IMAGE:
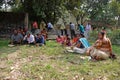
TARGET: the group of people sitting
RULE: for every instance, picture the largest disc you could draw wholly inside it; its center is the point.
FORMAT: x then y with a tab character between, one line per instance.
28	38
100	50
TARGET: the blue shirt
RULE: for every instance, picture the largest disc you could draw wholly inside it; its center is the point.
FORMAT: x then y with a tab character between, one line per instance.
18	37
50	25
81	28
84	42
40	40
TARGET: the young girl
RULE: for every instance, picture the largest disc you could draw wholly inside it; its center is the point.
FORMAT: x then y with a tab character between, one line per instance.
59	39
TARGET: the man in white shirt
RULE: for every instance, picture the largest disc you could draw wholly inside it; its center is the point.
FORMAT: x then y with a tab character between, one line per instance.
29	39
87	30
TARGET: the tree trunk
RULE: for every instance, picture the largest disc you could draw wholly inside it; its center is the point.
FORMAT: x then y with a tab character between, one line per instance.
119	21
26	21
82	19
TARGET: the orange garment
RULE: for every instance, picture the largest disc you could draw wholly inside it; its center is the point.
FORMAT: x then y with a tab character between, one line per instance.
75	40
103	45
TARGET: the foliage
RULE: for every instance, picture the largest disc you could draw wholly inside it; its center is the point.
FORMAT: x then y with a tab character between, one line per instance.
115	8
113	35
106	12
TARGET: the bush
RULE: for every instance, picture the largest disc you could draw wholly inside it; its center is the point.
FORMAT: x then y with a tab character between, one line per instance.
113	35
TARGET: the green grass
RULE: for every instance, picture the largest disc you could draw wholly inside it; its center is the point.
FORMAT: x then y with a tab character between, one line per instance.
5	50
51	63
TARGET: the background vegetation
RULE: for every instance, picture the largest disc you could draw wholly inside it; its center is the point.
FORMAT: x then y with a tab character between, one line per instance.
105	12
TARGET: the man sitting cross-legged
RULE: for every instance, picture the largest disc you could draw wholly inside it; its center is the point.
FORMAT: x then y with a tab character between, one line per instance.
40	41
29	39
16	38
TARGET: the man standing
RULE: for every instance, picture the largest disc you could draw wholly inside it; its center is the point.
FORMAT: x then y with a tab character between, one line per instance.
87	30
81	29
49	26
72	29
35	26
62	28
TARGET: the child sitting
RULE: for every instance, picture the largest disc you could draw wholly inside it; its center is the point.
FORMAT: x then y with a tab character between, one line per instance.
59	39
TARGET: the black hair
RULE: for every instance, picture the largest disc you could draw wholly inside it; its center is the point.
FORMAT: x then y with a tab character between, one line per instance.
82	35
67	35
59	36
75	35
102	33
68	38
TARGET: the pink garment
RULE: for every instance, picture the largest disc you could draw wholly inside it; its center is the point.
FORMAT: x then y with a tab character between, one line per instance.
59	40
35	25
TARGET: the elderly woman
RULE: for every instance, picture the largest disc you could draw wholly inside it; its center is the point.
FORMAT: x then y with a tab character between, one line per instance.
102	49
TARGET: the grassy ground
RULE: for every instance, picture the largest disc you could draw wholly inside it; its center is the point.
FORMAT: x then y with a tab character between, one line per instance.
51	63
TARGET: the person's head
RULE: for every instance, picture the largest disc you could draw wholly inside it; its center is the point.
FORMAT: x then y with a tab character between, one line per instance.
68	40
28	34
44	29
101	35
67	35
77	35
88	23
81	24
15	32
82	35
70	22
59	36
39	35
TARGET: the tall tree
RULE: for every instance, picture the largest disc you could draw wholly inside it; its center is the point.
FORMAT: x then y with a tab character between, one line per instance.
115	9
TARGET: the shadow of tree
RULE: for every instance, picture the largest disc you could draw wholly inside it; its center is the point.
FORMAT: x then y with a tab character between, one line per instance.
5	50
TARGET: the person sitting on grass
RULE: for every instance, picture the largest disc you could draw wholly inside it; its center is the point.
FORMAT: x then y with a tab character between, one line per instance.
80	47
59	39
102	49
16	38
40	41
68	42
44	33
64	38
29	39
75	39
